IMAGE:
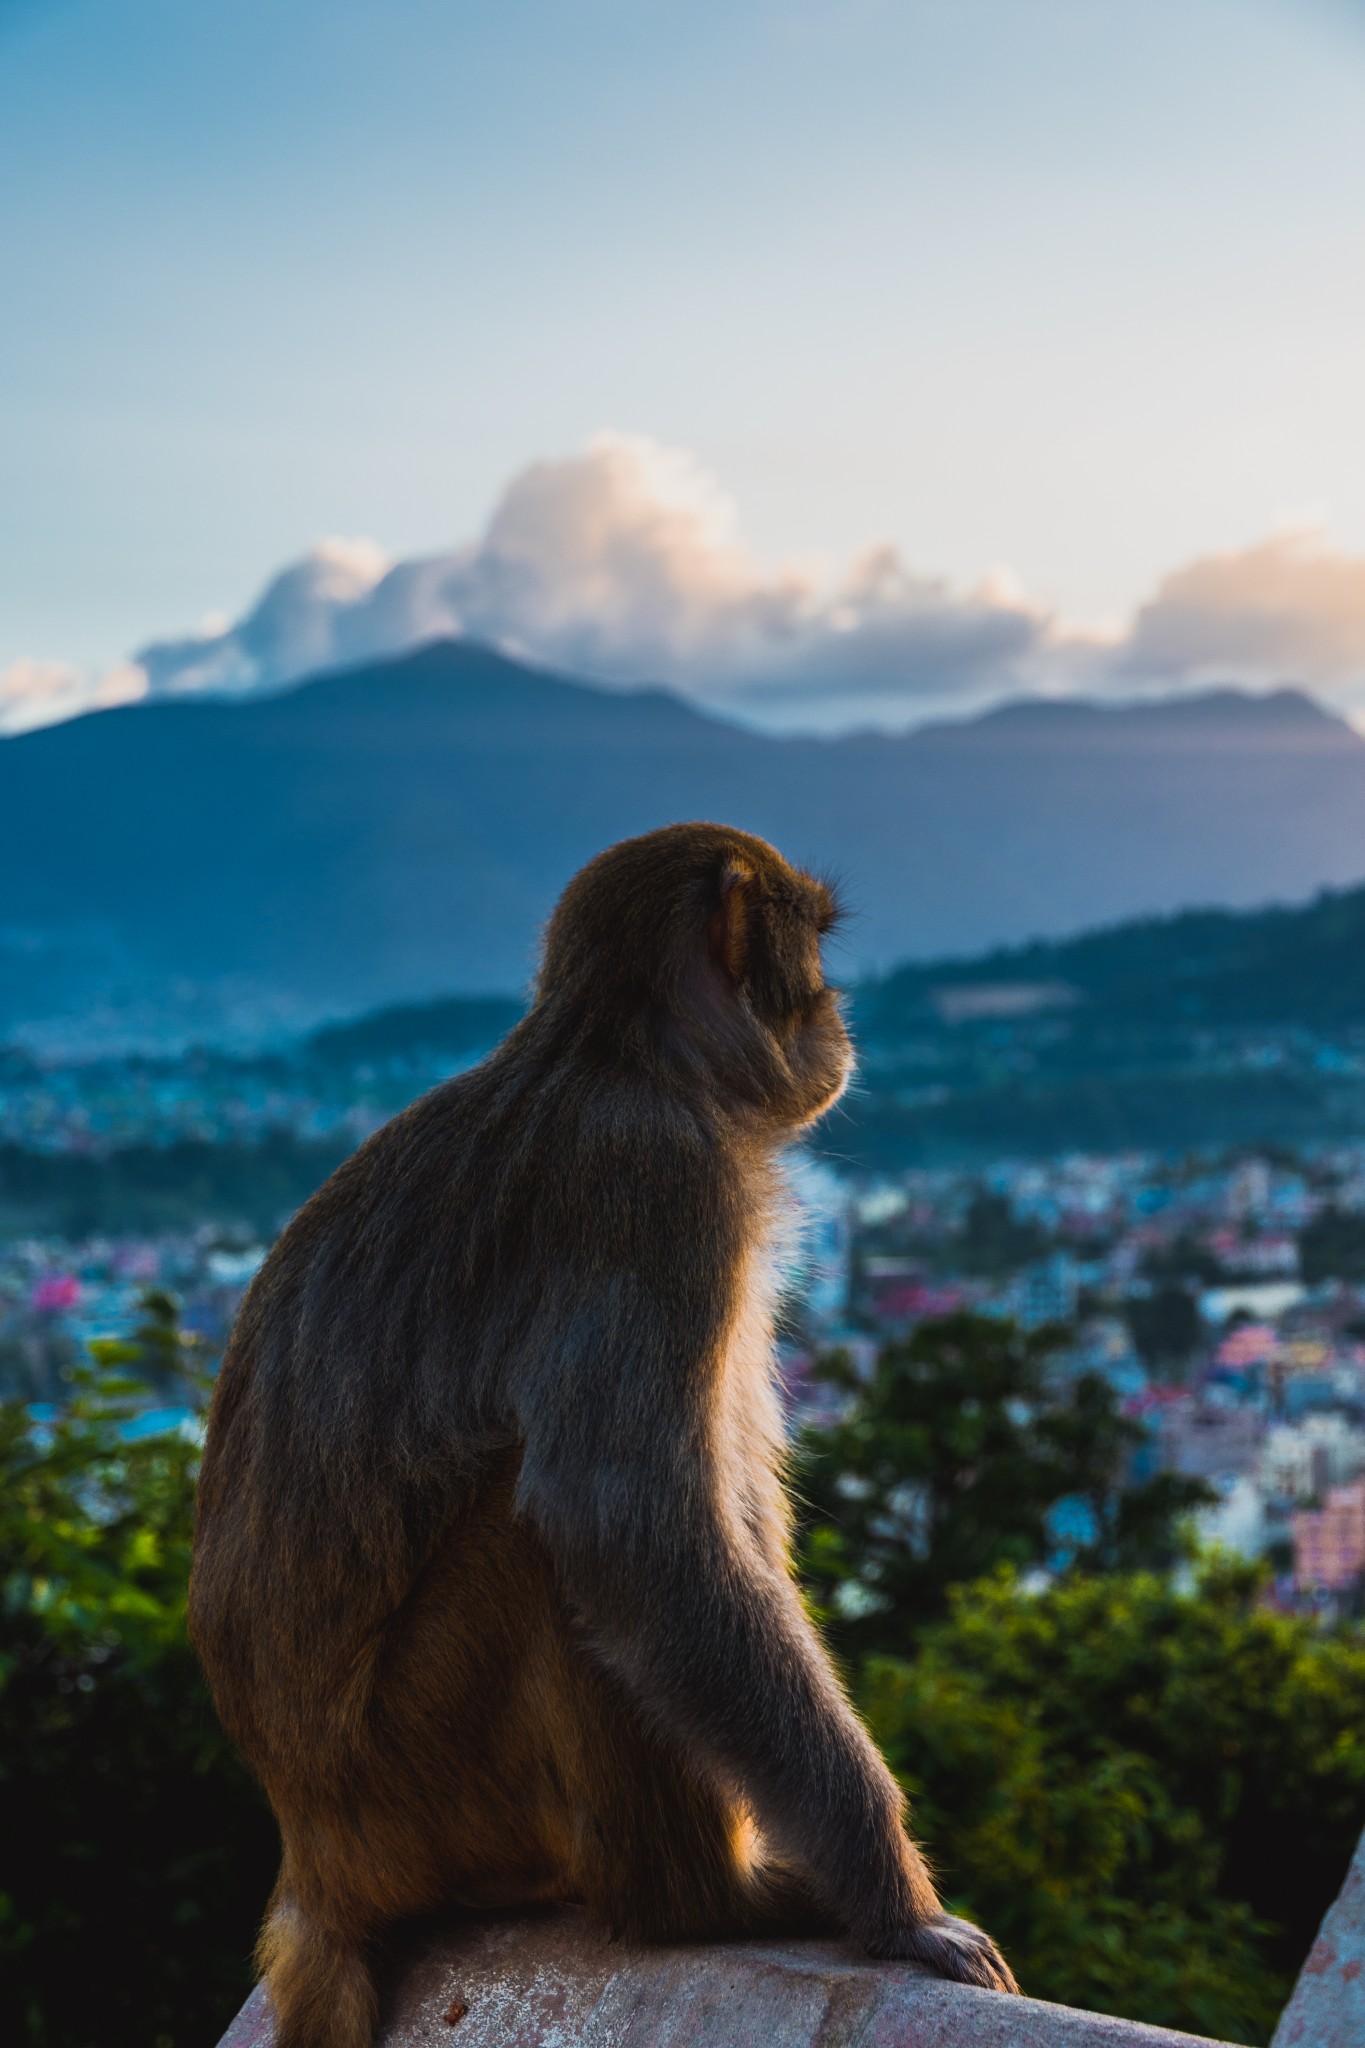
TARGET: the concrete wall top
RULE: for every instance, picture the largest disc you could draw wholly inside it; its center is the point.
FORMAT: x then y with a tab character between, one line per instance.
551	1982
1328	2006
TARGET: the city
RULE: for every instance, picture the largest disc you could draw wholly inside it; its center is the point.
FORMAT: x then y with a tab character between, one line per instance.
1221	1296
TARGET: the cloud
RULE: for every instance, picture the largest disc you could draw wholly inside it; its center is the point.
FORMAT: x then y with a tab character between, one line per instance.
300	624
883	645
624	564
34	693
1287	609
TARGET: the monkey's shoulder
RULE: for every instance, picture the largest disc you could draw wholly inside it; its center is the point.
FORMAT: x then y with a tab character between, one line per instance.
422	1144
380	1192
495	1175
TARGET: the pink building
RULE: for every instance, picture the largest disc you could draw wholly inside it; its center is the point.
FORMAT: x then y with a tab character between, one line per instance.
1249	1344
1329	1544
913	1301
56	1294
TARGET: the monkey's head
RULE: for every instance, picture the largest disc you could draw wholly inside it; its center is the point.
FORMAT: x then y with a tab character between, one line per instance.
699	946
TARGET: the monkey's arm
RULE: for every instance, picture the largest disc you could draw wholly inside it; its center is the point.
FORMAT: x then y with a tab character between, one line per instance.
710	1637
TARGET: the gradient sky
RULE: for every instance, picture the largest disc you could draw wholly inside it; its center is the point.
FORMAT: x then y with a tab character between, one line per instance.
1059	284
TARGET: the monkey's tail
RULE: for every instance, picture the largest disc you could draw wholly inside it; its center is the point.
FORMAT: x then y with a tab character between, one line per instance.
321	1988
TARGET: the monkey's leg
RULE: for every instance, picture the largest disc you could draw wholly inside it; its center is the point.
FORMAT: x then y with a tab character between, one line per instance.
777	1904
662	1852
672	1858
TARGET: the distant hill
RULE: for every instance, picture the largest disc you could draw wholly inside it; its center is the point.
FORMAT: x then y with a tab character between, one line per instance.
400	831
454	1027
1205	1029
1198	1031
1303	966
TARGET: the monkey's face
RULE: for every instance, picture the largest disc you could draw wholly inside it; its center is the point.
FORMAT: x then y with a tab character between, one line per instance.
789	914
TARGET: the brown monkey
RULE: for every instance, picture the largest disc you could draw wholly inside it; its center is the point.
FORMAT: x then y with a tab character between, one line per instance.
491	1575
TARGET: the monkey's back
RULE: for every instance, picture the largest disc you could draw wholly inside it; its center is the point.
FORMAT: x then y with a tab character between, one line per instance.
383	1632
354	1423
361	1421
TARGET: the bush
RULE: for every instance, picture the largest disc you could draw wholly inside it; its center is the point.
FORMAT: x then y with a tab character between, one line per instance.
963	1451
1149	1798
1332	1246
135	1853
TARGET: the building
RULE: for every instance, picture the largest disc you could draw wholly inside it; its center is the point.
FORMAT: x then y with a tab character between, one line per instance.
1300	1461
1329	1543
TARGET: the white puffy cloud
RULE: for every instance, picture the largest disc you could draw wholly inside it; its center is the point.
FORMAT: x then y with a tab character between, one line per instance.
299	625
1290	608
624	564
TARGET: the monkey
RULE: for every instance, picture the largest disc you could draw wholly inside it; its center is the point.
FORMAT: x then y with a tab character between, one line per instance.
492	1577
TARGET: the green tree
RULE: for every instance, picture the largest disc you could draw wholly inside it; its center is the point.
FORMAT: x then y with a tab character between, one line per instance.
135	1854
965	1450
1332	1246
993	1240
1185	1258
1149	1797
1165	1327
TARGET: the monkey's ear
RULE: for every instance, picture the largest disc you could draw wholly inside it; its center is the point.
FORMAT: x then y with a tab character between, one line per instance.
728	930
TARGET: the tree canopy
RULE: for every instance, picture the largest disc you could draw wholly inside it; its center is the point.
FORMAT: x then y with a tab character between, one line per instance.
1148	1789
963	1450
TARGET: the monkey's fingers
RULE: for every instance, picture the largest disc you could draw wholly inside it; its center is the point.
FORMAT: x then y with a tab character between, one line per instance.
954	1949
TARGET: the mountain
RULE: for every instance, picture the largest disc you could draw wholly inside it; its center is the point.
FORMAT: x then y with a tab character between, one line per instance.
399	831
1301	968
1200	1031
1204	1029
1207	1029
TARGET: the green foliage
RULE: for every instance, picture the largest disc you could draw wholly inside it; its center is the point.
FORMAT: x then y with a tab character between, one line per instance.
461	1027
162	1187
1149	1797
993	1239
964	1451
134	1852
1183	1259
1332	1247
1165	1326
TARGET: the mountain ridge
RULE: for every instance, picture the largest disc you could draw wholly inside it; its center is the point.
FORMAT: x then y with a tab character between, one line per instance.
399	830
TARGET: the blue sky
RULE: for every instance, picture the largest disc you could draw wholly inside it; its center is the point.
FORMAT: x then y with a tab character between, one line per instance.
1061	285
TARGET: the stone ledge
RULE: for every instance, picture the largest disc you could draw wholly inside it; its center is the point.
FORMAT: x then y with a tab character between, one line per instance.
1328	2006
550	1981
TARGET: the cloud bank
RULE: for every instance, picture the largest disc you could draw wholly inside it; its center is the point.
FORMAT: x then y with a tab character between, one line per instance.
1291	607
43	692
624	565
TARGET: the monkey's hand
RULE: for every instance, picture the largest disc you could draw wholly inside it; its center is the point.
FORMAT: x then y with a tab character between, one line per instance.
951	1948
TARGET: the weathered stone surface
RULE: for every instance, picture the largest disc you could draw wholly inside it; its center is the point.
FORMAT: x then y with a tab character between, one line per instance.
551	1982
1328	2006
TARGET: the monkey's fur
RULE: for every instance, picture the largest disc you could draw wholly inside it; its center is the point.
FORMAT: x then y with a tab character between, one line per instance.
491	1575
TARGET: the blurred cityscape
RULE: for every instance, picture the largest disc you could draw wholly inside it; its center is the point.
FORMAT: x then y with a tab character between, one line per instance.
1220	1293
